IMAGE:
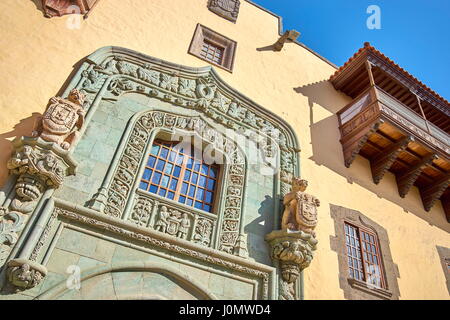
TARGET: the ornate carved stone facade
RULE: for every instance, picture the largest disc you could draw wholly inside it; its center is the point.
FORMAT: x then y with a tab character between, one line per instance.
121	73
42	162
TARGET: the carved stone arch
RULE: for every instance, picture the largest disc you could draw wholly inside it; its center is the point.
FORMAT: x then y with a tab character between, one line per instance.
176	276
110	72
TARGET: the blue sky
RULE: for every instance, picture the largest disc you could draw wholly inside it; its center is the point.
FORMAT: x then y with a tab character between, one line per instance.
414	33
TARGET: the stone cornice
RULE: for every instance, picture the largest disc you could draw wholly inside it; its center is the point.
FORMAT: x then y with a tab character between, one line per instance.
126	229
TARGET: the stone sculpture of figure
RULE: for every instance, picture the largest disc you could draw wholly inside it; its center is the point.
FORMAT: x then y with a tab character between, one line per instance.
161	224
62	120
300	208
183	229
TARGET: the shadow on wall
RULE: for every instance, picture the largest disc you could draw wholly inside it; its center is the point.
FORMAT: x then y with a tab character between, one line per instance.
327	151
23	128
38	4
259	227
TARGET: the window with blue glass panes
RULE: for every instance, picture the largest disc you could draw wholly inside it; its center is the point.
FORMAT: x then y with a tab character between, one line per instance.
177	174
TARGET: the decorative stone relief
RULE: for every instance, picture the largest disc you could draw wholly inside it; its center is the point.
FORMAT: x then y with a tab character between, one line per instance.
39	165
142	211
292	247
228	9
62	120
173	222
53	8
300	209
293	251
203	232
25	274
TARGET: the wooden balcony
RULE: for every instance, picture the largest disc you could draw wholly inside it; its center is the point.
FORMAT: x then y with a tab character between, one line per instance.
393	137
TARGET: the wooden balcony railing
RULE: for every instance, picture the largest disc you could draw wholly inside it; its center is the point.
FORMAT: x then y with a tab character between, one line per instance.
375	104
393	137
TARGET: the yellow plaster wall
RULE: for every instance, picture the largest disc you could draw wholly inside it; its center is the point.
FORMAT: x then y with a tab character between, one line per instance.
37	56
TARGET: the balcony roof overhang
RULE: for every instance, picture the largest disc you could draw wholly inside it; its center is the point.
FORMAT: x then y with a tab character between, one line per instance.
397	123
352	79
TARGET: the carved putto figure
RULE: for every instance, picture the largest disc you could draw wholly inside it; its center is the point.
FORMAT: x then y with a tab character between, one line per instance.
161	224
62	120
300	208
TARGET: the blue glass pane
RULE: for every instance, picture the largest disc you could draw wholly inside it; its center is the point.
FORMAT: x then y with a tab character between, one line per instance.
187	175
198	205
202	181
162	192
213	172
173	184
153	188
160	165
207	208
171	195
191	191
211	184
164	153
204	169
151	162
168	168
199	195
208	197
189	163
196	166
184	188
189	202
176	171
165	181
155	150
172	156
179	159
147	174
143	185
156	177
194	178
182	199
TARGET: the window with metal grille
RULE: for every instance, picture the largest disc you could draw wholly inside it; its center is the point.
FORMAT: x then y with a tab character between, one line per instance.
363	253
213	47
212	52
176	174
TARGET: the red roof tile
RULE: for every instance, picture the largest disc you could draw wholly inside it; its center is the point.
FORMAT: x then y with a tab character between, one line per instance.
368	47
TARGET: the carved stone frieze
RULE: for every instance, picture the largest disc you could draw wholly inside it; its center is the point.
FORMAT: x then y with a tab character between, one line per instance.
25	274
173	222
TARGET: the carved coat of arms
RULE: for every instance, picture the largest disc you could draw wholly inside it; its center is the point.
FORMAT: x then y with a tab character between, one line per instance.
228	9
